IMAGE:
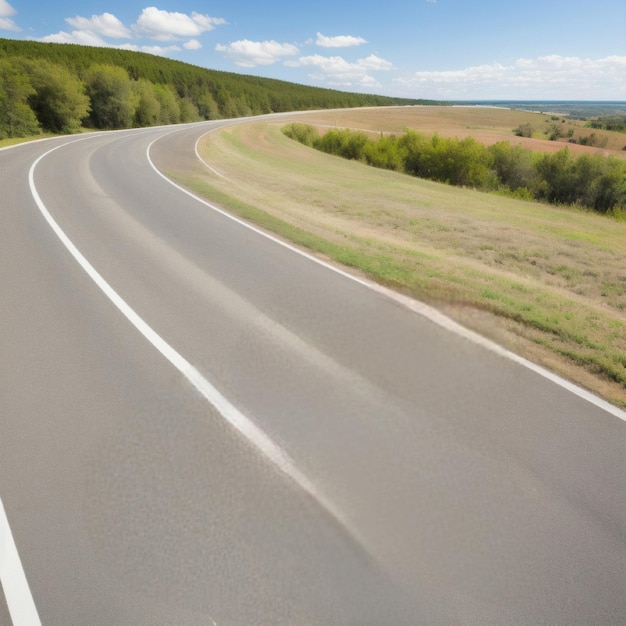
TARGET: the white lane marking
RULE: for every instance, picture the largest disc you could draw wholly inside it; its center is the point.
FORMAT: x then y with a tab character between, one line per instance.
212	169
420	308
16	590
243	424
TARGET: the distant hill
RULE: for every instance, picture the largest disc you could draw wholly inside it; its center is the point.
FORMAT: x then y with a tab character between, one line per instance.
67	86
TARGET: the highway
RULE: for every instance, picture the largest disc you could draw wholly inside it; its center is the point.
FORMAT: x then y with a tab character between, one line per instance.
200	425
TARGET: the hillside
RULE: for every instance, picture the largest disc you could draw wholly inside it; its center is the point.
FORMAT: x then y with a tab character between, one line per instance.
547	282
63	87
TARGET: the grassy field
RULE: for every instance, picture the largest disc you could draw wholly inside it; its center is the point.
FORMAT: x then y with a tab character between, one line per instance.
548	283
486	124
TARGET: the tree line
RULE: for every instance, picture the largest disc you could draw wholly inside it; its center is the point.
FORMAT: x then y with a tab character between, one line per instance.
61	88
594	181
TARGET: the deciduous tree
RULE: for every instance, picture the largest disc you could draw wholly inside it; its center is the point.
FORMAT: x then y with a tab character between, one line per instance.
113	102
17	119
148	107
59	101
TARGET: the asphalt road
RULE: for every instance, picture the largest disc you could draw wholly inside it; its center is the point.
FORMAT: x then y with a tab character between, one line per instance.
282	444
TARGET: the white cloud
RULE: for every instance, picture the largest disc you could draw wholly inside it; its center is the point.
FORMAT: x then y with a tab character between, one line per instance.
88	38
152	24
6	11
8	24
372	62
161	51
106	25
336	71
165	25
340	41
192	44
207	23
546	77
246	53
82	37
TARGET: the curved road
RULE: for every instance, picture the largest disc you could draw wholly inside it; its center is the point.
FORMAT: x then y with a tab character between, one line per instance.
236	434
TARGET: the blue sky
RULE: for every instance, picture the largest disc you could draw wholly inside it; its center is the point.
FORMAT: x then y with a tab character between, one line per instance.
448	49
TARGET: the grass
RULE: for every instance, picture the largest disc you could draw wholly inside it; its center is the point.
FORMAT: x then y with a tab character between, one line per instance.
547	282
14	141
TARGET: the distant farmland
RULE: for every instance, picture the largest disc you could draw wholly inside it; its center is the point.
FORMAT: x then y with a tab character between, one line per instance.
485	124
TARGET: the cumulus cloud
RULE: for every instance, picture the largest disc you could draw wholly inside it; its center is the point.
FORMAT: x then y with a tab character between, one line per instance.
87	38
372	62
166	25
192	44
6	11
246	53
159	50
82	37
338	72
152	23
106	25
544	77
340	41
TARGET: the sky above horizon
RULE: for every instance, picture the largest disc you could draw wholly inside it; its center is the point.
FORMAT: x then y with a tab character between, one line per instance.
435	49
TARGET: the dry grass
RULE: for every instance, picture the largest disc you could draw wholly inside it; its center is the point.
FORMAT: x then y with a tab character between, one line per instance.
486	124
548	283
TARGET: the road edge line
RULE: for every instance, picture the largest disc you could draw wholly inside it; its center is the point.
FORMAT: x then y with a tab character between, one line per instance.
240	422
17	594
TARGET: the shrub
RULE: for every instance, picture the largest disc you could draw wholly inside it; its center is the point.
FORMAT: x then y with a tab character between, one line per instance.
345	143
414	148
594	182
553	132
524	130
465	163
386	153
513	165
301	132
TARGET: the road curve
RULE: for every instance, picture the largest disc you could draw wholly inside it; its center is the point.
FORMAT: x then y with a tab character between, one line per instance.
258	439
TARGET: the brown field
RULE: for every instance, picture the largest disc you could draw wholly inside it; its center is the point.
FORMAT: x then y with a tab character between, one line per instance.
485	124
548	283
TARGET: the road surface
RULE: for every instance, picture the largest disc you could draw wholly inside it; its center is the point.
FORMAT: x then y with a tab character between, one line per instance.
199	425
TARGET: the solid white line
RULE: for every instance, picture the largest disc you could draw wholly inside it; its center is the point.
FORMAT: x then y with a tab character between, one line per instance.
243	424
420	308
16	590
212	169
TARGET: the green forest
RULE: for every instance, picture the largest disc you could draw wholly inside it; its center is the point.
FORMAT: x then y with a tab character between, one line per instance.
592	182
63	88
